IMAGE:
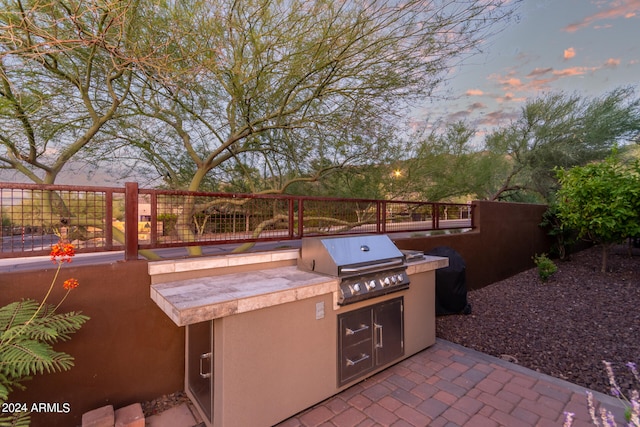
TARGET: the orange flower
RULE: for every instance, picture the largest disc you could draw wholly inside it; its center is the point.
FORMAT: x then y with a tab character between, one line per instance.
62	252
70	284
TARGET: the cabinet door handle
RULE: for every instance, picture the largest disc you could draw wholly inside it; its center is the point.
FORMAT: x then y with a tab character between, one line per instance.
363	357
378	329
204	356
353	332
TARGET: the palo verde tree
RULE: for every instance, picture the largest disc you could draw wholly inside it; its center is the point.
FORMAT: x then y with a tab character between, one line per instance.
65	68
444	164
601	201
291	88
560	130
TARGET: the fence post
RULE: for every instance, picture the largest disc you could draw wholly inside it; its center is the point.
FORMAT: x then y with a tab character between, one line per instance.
131	221
300	217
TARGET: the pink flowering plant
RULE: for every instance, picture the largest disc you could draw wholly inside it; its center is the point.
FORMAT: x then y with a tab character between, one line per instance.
28	331
604	417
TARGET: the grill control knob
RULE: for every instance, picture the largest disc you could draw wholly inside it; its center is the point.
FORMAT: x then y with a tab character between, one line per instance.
386	281
400	278
371	284
356	287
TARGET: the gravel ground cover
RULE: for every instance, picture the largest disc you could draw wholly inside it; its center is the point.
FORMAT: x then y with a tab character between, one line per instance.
164	402
564	327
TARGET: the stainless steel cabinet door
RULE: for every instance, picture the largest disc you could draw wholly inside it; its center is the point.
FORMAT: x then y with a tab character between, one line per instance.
200	365
388	331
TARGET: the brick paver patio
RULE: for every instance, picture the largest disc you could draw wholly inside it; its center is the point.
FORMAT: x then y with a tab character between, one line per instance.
448	385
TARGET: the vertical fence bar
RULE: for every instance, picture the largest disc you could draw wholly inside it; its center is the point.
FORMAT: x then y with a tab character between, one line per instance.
131	221
291	226
381	206
435	214
108	220
153	211
300	217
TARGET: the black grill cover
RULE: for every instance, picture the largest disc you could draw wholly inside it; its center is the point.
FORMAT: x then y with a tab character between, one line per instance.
451	283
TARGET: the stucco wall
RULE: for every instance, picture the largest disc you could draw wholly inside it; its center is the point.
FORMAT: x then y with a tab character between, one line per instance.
506	237
129	351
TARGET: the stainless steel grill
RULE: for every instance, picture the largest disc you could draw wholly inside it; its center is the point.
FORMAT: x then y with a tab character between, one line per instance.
367	266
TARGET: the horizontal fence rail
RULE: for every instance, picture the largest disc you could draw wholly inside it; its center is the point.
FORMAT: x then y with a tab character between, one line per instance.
130	219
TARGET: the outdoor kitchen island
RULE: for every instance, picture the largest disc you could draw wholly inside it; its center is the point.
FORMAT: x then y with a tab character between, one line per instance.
265	338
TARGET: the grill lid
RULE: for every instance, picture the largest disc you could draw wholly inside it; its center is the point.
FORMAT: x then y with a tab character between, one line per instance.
342	256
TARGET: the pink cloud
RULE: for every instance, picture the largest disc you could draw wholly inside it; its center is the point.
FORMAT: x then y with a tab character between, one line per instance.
612	63
508	82
617	9
569	53
510	97
573	71
474	92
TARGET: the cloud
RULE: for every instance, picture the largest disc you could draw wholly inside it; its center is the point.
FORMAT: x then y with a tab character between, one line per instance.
569	53
612	63
458	116
617	9
572	71
497	118
510	97
474	92
508	82
477	106
539	72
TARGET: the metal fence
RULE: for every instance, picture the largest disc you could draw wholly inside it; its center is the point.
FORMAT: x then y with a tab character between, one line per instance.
131	219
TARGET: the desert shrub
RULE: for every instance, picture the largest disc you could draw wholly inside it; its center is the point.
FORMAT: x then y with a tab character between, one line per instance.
546	267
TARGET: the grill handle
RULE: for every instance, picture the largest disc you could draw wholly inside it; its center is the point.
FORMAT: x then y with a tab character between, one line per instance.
203	357
363	357
378	329
349	331
364	269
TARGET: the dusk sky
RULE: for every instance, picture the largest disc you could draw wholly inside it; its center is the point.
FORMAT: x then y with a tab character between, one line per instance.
587	47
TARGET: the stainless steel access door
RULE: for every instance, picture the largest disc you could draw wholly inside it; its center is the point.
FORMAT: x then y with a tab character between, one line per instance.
200	367
388	331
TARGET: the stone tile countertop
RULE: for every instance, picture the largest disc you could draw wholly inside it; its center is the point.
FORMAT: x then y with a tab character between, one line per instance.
200	299
206	298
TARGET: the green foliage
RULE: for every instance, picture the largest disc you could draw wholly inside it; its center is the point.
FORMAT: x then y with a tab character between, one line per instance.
28	331
18	419
601	201
168	221
564	236
6	221
563	131
445	165
546	267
